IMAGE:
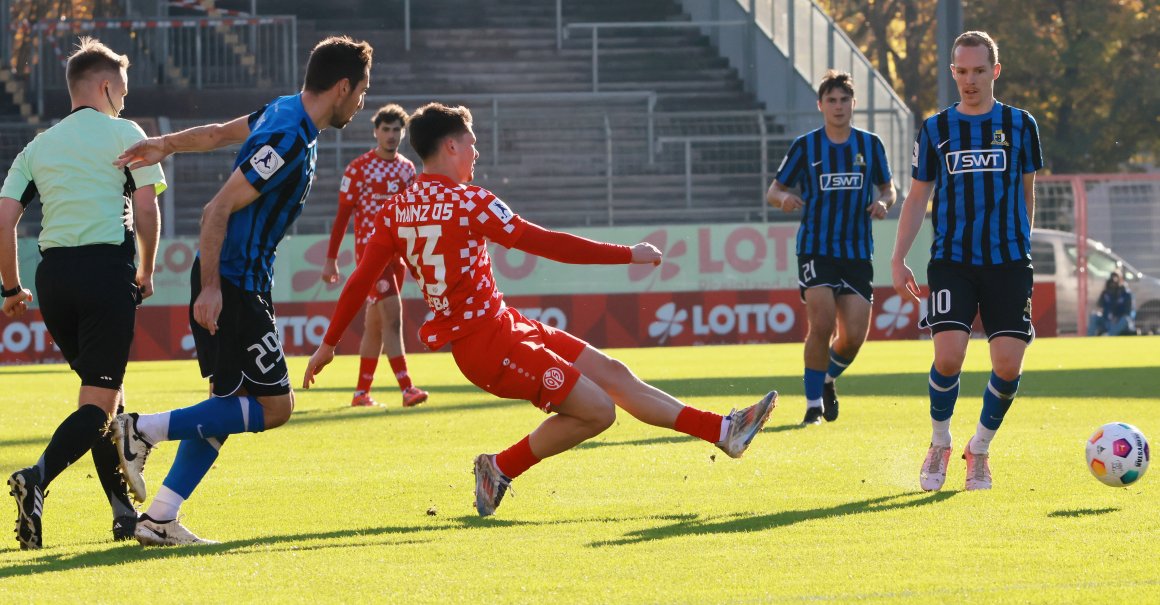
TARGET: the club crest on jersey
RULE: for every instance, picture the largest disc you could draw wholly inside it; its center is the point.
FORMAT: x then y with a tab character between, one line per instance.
841	180
267	161
977	160
859	160
999	138
500	210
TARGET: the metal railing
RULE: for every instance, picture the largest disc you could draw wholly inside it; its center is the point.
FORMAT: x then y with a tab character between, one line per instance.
757	167
184	52
595	28
496	103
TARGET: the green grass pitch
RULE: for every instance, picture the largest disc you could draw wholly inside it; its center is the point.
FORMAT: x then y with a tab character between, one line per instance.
367	505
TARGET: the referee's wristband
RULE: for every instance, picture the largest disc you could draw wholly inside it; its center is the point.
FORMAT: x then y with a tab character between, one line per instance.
13	292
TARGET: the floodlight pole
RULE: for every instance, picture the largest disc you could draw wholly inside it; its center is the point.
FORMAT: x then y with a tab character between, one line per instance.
948	26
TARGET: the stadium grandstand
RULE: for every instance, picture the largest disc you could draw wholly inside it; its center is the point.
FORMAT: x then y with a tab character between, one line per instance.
588	113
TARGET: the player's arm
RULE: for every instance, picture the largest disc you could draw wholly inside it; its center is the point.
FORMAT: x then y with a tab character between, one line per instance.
147	225
572	249
199	138
887	195
374	259
236	194
909	222
348	194
780	196
15	305
1029	198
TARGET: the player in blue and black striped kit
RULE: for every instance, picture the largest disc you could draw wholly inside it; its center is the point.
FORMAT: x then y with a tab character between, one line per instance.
845	182
232	315
979	157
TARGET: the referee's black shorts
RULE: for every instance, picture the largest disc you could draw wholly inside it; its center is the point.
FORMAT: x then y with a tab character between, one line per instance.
88	297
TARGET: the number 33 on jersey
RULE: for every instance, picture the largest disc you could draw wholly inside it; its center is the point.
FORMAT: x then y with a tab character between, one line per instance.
441	229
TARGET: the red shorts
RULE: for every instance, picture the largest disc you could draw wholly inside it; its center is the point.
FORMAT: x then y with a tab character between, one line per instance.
390	282
520	358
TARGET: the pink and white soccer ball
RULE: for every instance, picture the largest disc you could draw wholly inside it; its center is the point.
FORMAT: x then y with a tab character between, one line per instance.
1117	454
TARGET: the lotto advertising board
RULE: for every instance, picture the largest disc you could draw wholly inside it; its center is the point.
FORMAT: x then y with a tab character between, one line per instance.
719	284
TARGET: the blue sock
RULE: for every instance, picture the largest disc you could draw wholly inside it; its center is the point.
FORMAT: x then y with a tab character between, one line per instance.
944	392
814	380
838	364
997	399
217	417
193	461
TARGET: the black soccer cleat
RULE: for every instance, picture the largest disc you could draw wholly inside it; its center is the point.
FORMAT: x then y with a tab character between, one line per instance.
24	485
813	416
124	526
829	402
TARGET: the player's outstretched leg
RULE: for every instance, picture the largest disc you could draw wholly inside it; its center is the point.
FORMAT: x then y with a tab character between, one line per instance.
24	485
653	406
151	532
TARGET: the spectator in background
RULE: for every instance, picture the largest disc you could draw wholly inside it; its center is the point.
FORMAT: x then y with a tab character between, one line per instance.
1117	314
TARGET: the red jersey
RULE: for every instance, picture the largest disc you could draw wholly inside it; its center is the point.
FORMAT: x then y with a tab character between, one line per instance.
368	182
441	230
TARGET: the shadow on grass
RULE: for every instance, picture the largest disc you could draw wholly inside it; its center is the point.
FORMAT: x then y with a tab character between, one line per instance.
749	523
1083	512
679	438
46	561
1067	384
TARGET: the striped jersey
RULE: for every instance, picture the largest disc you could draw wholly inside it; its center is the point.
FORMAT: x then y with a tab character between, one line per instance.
278	160
977	163
838	182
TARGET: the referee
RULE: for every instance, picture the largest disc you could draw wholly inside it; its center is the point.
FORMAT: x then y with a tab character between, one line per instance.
88	285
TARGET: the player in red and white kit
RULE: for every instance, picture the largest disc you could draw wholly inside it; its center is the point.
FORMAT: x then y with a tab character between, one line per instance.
369	181
442	225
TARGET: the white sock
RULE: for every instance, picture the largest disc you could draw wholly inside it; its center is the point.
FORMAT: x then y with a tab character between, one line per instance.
154	427
829	379
982	441
165	505
813	403
940	432
724	429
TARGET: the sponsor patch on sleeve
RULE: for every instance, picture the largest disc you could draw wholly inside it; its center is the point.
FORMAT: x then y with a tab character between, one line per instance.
500	210
266	161
345	186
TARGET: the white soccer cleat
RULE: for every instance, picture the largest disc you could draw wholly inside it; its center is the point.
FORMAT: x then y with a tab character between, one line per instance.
490	485
978	469
165	533
934	468
745	424
132	450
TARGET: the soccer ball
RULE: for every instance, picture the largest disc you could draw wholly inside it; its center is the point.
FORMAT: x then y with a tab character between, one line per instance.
1117	454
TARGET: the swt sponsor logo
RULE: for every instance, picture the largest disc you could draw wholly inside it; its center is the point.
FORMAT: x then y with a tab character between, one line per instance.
841	180
985	160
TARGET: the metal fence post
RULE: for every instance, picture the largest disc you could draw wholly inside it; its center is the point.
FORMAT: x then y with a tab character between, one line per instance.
39	72
652	148
595	60
1079	194
764	166
688	173
608	165
168	204
407	25
559	25
197	55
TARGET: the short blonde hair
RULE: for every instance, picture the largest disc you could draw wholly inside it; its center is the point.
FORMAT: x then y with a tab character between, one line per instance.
978	38
91	56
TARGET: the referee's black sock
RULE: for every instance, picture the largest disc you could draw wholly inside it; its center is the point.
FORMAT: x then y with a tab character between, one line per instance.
72	439
108	471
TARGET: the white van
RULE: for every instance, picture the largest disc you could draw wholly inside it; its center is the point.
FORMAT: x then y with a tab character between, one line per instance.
1053	254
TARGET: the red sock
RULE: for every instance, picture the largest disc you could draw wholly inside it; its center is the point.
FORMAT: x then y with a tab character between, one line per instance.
366	373
516	459
399	367
697	423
